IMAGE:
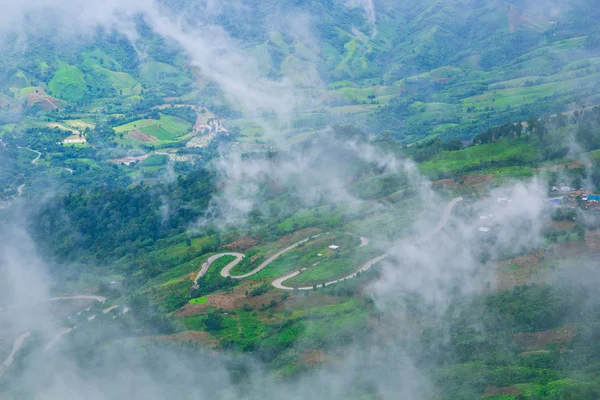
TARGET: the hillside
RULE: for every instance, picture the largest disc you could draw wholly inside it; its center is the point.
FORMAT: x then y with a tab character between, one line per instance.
300	199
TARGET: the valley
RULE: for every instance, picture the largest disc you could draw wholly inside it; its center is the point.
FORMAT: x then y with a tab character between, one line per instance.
353	200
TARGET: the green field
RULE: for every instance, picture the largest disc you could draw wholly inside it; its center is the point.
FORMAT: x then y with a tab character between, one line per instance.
166	128
68	83
521	151
157	72
199	300
123	83
98	58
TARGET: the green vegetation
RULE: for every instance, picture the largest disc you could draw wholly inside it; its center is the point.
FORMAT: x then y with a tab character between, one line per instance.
155	160
475	98
68	83
165	128
213	281
199	300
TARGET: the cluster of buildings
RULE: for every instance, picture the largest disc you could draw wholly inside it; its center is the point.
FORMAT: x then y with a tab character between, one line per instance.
568	197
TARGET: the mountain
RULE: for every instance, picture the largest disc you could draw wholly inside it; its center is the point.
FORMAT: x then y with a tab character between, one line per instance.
328	199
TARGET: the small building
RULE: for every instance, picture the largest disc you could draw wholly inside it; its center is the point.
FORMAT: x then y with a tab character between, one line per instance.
334	247
565	189
554	202
503	200
484	229
113	283
594	199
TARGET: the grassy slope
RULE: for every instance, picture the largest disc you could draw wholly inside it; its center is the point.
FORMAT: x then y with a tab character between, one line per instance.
453	161
167	128
68	83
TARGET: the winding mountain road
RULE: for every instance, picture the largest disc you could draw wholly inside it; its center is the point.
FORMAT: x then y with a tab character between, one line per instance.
16	347
39	154
278	283
56	339
99	299
21	339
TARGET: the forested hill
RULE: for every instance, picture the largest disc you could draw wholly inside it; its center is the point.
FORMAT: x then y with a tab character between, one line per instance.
405	70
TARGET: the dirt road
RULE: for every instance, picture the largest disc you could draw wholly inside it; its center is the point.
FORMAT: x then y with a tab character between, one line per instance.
56	339
16	347
238	257
21	339
99	299
226	270
34	161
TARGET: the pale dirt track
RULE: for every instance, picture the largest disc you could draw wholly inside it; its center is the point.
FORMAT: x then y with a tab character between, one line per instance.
16	347
34	162
278	283
238	257
21	339
99	299
56	339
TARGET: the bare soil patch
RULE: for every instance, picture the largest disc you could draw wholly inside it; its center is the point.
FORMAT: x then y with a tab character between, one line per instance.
189	336
129	159
570	249
313	357
520	270
559	167
242	244
301	301
477	182
539	340
530	353
257	302
226	301
563	225
191	310
141	136
592	240
294	237
501	391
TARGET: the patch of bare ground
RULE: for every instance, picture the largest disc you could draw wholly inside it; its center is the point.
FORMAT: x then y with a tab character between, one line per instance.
559	167
203	338
257	302
300	301
563	225
592	240
190	310
293	238
243	244
533	352
521	270
313	357
570	249
141	136
539	340
129	159
231	300
225	301
501	391
476	181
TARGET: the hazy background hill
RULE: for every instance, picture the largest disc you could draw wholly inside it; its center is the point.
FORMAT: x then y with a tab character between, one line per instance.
409	70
